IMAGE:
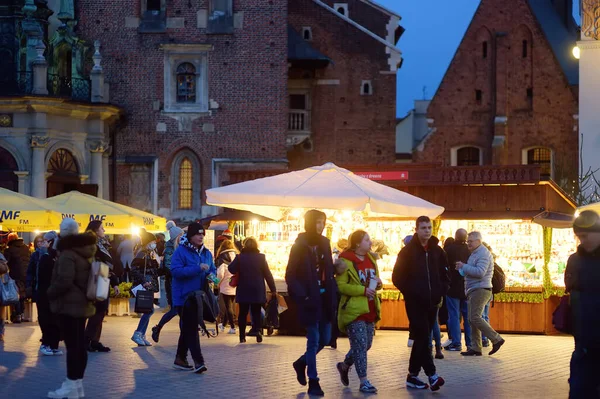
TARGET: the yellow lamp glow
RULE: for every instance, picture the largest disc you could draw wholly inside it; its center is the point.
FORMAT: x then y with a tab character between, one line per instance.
135	231
576	52
296	213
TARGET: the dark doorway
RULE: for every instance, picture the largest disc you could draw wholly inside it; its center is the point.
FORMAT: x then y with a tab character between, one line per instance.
8	167
65	173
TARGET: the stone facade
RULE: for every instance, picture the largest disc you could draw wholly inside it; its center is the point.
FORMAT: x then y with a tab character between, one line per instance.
509	88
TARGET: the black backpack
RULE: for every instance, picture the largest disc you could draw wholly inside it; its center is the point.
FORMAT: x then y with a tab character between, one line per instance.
498	279
209	311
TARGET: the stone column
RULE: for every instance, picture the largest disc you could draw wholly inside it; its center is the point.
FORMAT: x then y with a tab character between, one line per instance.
97	149
97	76
40	71
22	175
38	166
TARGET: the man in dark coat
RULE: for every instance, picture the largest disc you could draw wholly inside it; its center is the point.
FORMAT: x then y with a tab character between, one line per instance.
456	300
582	279
421	274
310	281
17	255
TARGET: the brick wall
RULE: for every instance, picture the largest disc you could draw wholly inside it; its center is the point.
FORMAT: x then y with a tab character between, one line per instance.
348	128
506	75
247	77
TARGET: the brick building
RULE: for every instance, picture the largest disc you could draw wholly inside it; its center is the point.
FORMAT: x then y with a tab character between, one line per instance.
206	88
509	96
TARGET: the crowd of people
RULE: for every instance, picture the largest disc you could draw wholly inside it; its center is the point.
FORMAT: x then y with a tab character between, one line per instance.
328	291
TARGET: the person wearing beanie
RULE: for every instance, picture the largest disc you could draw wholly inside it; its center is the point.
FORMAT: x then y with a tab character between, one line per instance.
310	281
93	330
175	234
191	265
582	282
68	227
39	277
68	301
17	255
144	272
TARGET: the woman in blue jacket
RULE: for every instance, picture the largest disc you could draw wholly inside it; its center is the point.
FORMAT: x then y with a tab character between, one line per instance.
191	264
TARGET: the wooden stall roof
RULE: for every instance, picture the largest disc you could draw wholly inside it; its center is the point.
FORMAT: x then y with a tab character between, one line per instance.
470	192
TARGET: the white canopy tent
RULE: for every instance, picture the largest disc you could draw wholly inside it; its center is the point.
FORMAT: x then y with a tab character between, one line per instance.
324	187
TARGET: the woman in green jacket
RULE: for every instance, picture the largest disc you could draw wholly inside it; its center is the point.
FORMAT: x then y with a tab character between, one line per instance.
360	308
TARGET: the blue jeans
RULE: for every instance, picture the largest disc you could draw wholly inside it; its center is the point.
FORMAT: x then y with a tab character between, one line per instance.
317	336
1	326
167	317
456	309
144	321
435	332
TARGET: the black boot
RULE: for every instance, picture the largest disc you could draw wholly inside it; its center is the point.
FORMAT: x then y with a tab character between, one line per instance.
242	335
438	352
300	368
314	388
156	332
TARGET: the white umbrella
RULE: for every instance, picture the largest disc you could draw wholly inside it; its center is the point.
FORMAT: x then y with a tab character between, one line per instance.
323	187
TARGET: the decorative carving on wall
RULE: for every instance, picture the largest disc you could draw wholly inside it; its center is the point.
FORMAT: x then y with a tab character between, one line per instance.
40	141
97	146
590	19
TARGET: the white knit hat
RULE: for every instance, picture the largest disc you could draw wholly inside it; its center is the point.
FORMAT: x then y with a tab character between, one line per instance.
68	227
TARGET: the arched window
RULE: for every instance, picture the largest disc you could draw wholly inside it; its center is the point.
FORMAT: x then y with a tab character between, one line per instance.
543	157
185	184
186	83
468	156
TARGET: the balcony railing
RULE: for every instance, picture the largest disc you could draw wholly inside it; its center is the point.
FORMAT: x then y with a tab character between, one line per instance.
62	86
16	84
299	121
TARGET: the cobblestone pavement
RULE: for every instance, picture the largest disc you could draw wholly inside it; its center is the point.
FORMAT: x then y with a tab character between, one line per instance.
527	366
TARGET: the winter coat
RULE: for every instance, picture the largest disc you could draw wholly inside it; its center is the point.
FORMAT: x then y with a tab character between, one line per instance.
103	254
252	269
582	279
17	255
186	272
3	265
303	282
223	274
457	252
354	302
422	276
144	269
39	272
67	291
479	270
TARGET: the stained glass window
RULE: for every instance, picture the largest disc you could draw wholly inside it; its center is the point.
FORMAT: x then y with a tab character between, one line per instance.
186	83
185	184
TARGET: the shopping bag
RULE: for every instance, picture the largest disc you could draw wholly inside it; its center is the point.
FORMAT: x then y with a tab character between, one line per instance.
9	294
98	286
233	281
561	318
144	301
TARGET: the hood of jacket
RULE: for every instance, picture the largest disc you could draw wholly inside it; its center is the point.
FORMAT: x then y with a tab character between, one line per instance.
16	243
83	244
340	266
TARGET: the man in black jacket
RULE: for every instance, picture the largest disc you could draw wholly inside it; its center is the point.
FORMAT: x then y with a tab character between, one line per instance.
582	279
309	277
421	274
456	300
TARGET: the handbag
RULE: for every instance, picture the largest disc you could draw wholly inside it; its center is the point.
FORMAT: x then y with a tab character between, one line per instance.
9	294
233	281
144	301
98	286
561	318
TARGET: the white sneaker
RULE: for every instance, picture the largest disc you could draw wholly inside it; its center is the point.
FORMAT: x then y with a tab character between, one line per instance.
137	338
67	390
232	331
80	391
57	352
410	343
447	343
46	351
221	327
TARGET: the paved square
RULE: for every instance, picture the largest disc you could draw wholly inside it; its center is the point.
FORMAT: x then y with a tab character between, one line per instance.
527	366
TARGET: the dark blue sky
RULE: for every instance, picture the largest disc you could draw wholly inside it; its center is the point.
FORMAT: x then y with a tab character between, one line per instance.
434	29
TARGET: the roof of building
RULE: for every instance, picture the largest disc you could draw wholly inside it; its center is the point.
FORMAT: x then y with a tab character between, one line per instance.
300	50
562	37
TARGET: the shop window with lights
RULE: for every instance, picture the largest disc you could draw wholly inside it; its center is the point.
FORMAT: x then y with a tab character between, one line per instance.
468	156
543	157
